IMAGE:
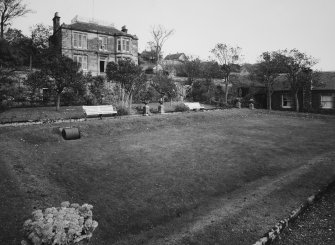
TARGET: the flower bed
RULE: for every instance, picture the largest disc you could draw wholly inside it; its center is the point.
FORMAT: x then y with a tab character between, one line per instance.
68	224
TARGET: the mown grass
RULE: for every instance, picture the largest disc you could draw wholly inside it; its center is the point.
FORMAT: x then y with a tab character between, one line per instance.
140	173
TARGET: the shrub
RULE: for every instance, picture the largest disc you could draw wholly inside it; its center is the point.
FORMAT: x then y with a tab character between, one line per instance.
122	111
68	224
181	108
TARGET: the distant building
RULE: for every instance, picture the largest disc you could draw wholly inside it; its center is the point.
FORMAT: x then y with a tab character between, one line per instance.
93	45
175	59
173	62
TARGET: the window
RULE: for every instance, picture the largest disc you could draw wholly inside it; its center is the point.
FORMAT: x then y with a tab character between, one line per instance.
79	40
119	45
286	101
123	45
127	45
327	101
102	65
103	43
82	60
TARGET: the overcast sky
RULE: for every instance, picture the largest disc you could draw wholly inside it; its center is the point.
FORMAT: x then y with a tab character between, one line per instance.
254	25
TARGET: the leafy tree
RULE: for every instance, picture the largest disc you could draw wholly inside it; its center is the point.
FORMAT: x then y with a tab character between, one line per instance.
228	57
165	86
40	43
159	35
58	74
191	68
267	70
297	66
9	10
128	75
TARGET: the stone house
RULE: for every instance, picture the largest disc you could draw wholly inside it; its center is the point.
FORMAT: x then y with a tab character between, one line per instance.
93	45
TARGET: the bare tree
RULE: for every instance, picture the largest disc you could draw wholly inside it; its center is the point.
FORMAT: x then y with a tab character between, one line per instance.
9	10
228	57
159	35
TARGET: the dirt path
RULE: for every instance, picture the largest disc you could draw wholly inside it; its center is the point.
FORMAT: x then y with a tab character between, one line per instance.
243	216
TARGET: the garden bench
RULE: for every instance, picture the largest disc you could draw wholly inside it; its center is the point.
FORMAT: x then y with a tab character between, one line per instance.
99	110
194	106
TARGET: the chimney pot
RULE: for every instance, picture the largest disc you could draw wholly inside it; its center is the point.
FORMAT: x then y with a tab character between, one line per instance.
124	29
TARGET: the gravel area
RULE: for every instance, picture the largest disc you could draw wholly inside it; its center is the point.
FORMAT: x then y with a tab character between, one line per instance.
314	226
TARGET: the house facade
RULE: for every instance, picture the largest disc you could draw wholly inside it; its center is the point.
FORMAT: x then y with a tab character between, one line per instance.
314	99
93	45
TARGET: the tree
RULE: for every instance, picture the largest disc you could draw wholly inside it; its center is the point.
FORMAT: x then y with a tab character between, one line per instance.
9	10
228	57
297	66
59	73
191	68
165	86
159	35
130	77
39	43
266	71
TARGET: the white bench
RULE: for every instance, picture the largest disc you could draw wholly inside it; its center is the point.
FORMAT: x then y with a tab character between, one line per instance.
195	106
99	110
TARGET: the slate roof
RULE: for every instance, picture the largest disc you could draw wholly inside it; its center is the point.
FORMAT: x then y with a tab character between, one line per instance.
92	27
174	56
326	78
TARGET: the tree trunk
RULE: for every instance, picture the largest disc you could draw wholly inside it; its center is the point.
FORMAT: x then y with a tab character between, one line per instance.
269	100
226	92
58	102
296	101
130	101
2	29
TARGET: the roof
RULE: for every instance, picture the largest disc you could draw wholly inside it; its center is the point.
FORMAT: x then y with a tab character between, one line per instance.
92	27
327	79
174	56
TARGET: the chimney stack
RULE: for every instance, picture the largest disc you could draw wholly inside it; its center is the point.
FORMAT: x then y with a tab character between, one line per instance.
56	22
124	29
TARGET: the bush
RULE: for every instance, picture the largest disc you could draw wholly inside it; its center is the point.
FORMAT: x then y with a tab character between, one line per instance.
181	108
68	224
122	111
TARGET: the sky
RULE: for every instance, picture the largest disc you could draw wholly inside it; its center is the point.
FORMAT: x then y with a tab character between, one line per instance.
254	25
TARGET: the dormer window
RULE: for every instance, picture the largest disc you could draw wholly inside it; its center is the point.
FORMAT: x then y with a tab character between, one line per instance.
103	43
79	40
123	45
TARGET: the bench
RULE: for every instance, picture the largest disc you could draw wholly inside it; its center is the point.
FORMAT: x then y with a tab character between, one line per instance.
194	106
99	110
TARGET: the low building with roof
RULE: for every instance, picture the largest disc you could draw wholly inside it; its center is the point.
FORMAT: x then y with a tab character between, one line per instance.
93	45
316	98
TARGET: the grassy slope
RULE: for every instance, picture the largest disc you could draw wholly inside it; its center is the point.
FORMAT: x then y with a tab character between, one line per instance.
140	173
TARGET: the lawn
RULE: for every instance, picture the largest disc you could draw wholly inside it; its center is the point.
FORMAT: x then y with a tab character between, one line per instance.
144	173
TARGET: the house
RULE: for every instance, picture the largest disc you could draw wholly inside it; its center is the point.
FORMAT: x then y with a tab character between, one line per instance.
172	62
175	59
317	99
93	45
